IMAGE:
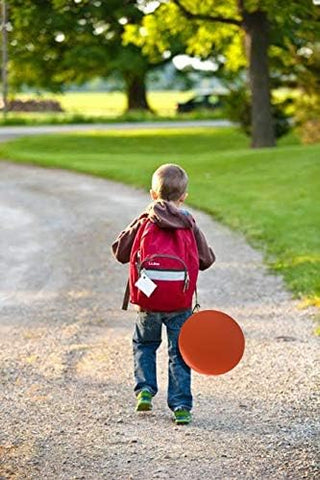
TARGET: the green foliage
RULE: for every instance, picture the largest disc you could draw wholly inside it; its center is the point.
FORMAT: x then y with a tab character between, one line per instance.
158	38
168	27
308	117
307	103
272	196
200	26
237	108
59	42
236	34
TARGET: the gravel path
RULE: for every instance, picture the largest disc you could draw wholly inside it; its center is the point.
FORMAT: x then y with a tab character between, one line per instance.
66	402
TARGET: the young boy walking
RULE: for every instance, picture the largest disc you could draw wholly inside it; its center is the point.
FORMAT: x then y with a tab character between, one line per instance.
165	249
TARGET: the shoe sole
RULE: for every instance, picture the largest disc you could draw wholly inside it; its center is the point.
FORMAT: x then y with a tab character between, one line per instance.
144	407
182	422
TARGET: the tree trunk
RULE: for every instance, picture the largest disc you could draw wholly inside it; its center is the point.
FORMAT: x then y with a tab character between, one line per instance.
4	68
136	91
257	43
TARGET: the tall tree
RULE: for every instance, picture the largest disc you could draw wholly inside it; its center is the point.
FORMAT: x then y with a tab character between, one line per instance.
59	42
244	31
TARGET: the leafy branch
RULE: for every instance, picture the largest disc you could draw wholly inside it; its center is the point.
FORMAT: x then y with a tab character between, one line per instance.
210	18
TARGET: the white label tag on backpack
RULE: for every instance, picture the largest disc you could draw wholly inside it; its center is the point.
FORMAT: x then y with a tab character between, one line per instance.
145	285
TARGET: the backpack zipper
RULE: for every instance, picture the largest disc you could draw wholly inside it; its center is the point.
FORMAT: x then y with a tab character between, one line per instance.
172	257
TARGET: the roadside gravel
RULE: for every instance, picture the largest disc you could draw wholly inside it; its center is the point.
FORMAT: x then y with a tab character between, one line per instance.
66	401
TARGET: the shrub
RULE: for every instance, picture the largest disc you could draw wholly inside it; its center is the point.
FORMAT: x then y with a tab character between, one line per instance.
308	118
238	109
34	106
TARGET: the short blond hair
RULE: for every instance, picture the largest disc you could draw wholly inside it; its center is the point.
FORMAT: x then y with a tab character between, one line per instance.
170	182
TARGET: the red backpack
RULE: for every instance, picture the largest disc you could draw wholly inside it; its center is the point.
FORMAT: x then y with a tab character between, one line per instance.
169	258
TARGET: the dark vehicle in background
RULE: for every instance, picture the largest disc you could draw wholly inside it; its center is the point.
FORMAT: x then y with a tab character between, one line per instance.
199	102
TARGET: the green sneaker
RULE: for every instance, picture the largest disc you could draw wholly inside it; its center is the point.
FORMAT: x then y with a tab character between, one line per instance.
181	416
144	399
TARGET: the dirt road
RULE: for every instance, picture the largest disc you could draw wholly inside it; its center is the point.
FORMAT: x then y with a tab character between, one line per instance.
66	401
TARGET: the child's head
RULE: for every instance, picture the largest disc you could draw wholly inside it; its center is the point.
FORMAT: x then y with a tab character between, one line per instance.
169	182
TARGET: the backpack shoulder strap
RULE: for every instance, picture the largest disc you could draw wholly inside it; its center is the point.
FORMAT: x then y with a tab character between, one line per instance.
126	296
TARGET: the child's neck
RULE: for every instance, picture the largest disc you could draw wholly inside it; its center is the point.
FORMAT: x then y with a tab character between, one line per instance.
176	204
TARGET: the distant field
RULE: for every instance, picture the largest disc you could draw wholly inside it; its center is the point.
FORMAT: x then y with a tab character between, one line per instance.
113	104
93	107
270	195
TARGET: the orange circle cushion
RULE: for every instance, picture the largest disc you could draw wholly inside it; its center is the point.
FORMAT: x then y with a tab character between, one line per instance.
211	342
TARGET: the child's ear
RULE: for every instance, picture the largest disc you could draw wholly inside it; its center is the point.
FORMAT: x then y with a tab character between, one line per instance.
154	195
183	197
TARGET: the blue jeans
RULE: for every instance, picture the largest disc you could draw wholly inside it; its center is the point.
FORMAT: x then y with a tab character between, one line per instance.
146	341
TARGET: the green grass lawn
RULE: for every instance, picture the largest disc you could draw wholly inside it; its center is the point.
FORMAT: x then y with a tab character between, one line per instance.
271	195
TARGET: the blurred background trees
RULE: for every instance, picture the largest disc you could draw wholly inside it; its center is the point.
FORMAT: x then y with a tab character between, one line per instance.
266	39
59	43
265	54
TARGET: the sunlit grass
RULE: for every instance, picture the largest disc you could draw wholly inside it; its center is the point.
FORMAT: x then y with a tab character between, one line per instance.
111	104
106	107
